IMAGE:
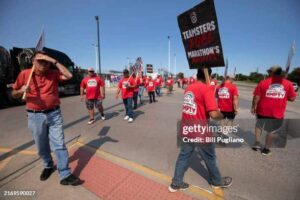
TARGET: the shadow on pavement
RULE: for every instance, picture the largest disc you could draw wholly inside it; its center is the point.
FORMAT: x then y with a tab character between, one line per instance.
197	164
84	158
30	143
137	113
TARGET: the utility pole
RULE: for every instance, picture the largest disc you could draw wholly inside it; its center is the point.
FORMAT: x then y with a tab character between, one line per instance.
169	63
98	35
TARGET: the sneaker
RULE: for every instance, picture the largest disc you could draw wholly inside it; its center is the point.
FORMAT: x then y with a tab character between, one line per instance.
225	183
266	152
46	173
130	120
175	188
102	116
256	146
91	121
70	180
126	117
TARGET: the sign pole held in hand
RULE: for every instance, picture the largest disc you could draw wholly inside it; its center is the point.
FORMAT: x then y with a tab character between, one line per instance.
39	47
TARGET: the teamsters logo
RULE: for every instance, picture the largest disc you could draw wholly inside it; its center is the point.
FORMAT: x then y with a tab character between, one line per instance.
92	83
223	93
189	105
276	91
193	16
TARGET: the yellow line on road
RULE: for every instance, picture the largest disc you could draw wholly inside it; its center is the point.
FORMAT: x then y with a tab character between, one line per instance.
24	152
217	194
4	162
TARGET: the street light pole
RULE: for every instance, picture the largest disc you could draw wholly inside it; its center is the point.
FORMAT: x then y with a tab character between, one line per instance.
169	63
175	64
98	35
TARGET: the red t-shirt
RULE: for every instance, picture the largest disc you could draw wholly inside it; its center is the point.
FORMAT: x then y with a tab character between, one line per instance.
225	93
126	92
213	83
92	87
43	93
192	80
274	93
158	82
150	85
198	101
170	82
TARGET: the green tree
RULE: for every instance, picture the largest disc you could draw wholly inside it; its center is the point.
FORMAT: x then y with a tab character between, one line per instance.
295	75
180	75
256	77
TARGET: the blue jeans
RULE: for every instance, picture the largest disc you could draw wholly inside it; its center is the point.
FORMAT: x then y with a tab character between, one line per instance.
47	131
141	92
207	153
157	90
128	107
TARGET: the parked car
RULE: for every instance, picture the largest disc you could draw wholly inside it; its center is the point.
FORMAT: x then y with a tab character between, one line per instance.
296	87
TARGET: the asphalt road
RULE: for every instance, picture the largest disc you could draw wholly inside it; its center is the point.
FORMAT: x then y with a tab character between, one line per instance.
151	141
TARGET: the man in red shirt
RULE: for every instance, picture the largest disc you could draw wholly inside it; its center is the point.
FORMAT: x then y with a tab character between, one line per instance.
158	84
214	82
199	105
135	91
228	100
269	104
150	88
192	80
94	88
169	84
126	87
44	115
141	87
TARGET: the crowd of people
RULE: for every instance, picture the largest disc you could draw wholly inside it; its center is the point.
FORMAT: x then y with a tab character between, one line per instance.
202	101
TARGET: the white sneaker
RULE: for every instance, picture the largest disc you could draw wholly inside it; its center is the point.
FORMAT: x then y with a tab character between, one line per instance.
130	120
126	117
103	117
91	121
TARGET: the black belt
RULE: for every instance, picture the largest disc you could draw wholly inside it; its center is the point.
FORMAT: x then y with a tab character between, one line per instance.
44	111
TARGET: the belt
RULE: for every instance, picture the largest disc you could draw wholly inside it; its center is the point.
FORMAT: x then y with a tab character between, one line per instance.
44	111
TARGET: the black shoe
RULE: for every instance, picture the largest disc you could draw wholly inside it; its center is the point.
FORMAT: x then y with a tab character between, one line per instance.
175	188
71	180
256	146
266	152
46	173
225	183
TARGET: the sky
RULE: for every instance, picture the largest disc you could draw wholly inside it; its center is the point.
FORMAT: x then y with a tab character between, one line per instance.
254	34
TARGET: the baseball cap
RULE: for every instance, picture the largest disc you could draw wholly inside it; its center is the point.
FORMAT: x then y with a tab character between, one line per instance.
90	69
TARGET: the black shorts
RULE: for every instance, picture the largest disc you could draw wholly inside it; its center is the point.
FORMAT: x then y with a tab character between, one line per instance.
268	124
90	103
228	115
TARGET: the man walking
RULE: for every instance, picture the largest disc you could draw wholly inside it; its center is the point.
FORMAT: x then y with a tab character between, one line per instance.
199	104
158	84
94	88
269	104
228	102
44	115
150	88
141	87
126	87
169	84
